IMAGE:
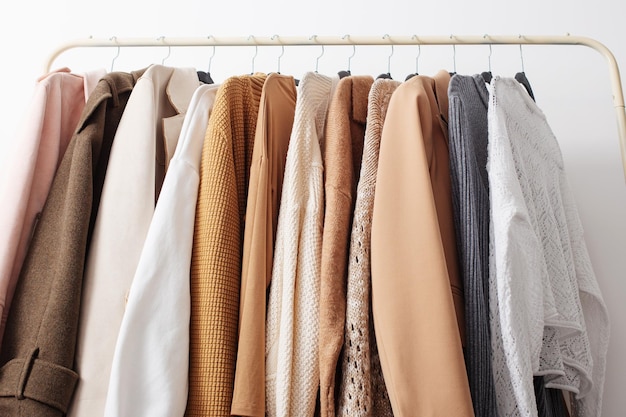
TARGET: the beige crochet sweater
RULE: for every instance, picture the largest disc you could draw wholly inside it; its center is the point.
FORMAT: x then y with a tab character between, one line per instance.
362	391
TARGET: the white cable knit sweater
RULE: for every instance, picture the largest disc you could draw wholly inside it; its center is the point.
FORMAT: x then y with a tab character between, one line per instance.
292	351
546	311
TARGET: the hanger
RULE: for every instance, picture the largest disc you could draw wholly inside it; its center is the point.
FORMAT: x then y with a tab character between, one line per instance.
347	73
205	77
114	39
388	74
169	50
317	60
521	76
417	58
256	52
487	76
453	59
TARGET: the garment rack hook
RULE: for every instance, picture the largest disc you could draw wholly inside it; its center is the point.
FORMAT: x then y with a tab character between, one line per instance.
114	40
282	52
390	55
317	61
521	54
256	51
212	55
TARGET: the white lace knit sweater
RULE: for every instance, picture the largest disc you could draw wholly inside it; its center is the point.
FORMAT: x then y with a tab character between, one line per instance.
291	347
546	311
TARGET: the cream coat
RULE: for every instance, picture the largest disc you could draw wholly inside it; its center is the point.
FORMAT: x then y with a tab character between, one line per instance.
150	365
124	216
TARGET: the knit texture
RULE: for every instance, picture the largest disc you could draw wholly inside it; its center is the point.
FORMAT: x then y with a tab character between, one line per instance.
217	245
345	133
547	313
43	322
468	102
292	351
362	391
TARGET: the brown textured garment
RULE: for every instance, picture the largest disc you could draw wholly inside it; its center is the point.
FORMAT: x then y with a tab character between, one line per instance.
362	391
37	376
343	150
217	245
273	130
417	294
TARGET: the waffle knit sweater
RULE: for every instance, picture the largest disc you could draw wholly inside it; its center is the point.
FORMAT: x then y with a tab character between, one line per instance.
547	313
292	351
362	391
217	245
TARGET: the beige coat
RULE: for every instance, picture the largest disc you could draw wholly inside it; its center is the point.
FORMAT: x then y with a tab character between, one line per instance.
273	129
133	179
417	297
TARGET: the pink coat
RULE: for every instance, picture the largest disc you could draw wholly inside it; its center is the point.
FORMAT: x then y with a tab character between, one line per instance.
49	122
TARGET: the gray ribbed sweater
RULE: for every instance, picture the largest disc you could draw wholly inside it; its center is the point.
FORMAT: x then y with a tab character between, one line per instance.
468	135
468	99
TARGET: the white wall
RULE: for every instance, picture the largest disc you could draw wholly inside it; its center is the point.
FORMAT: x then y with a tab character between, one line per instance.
571	83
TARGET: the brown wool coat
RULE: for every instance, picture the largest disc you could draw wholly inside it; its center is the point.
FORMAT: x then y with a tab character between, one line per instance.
37	358
343	150
217	245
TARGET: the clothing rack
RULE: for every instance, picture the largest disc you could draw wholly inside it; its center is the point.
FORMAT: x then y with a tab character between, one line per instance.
614	74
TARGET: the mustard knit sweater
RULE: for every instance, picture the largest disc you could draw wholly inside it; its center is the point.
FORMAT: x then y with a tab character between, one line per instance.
217	245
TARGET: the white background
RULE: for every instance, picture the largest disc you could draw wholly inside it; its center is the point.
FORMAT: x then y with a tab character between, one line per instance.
571	83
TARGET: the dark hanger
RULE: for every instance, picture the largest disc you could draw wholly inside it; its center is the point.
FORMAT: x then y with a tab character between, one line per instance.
487	76
521	76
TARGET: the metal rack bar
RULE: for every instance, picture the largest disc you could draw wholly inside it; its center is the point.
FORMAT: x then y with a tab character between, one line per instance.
614	74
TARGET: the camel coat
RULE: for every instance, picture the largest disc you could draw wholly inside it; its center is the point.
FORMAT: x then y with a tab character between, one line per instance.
273	129
417	297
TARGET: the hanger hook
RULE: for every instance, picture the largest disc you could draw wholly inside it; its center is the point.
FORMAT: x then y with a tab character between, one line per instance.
347	37
486	36
521	54
114	40
275	37
417	58
419	52
212	55
351	56
169	49
256	51
454	57
389	57
317	61
453	54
